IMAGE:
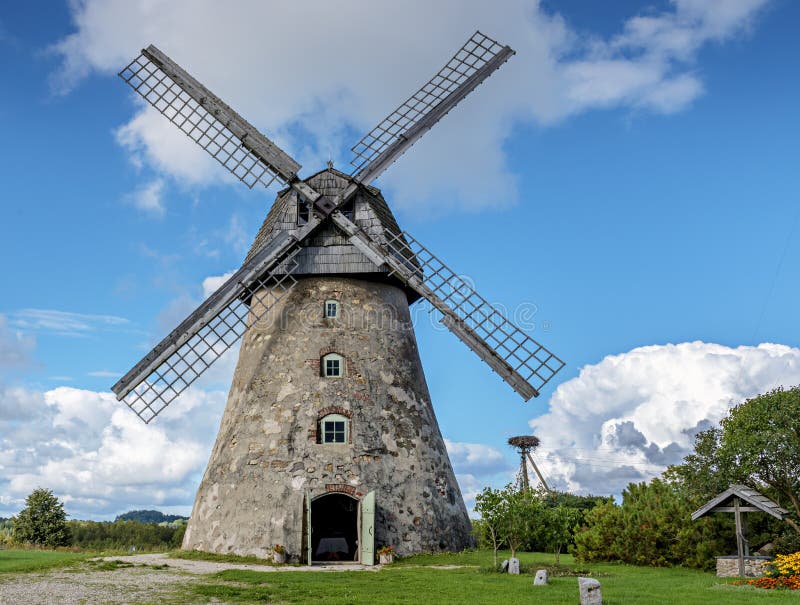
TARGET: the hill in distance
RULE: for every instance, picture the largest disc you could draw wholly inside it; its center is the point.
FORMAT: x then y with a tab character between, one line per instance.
149	516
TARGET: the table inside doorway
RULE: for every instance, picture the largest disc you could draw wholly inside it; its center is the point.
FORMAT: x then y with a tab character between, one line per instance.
332	545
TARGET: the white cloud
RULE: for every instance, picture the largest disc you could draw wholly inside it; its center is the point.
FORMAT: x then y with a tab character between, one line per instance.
104	374
475	458
97	455
311	87
149	198
213	282
15	346
65	323
477	465
630	415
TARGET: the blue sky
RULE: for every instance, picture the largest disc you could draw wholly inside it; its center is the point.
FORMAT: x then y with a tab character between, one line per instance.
631	174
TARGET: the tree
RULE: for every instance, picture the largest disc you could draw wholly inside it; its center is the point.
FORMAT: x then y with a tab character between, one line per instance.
757	443
42	521
652	527
522	513
489	504
559	526
762	438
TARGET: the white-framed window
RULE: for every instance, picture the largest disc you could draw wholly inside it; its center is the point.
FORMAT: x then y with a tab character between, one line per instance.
331	309
335	428
332	365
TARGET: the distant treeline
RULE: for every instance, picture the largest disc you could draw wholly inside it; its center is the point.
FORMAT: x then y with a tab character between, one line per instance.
116	535
105	535
149	516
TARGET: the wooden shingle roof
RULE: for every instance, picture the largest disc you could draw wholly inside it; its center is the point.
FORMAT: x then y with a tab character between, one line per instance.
749	495
372	213
328	251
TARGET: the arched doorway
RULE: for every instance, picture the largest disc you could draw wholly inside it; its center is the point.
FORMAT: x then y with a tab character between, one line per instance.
334	528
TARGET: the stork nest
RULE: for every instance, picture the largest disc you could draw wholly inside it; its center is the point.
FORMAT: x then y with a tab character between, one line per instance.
526	441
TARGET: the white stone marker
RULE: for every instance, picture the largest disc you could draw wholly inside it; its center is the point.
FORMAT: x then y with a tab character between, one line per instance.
590	591
513	566
541	577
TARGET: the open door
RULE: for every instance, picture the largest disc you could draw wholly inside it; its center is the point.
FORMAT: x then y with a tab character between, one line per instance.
307	527
368	529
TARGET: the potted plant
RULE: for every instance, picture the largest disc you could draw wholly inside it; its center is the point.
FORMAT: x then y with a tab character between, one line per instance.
279	553
386	555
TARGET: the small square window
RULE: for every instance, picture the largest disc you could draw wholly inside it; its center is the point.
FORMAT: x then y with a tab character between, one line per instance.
331	308
334	429
333	367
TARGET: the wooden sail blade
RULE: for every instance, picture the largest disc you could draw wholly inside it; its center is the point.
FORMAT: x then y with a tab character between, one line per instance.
209	331
207	120
472	64
523	363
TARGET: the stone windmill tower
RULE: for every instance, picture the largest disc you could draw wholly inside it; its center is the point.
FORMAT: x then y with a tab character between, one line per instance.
329	442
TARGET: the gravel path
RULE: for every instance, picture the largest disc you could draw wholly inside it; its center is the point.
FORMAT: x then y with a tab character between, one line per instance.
144	581
207	567
125	585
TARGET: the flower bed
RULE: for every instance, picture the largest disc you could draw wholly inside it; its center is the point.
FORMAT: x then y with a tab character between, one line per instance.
782	573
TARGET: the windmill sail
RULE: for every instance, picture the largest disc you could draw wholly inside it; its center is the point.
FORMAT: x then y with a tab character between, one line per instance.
472	64
522	362
209	122
209	331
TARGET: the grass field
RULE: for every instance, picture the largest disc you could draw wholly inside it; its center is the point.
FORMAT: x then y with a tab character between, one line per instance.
19	561
421	579
432	580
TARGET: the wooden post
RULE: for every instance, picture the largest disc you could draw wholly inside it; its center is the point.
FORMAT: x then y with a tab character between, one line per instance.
739	536
538	473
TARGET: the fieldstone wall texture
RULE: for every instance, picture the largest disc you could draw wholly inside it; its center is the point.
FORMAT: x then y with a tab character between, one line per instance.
728	567
267	453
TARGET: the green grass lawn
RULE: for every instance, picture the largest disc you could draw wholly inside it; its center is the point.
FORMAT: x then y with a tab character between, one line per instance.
19	561
423	580
418	580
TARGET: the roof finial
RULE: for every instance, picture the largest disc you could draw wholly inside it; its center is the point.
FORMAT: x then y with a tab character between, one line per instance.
330	164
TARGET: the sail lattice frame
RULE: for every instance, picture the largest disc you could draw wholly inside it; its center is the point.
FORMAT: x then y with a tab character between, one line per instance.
476	52
195	356
531	360
180	108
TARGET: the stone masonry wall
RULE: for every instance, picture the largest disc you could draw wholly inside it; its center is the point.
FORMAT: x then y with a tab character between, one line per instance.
728	567
266	455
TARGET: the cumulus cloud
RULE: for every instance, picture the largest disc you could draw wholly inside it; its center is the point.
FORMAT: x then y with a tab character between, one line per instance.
345	75
97	455
630	415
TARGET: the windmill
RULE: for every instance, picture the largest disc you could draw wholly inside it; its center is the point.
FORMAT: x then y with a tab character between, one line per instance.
525	444
328	442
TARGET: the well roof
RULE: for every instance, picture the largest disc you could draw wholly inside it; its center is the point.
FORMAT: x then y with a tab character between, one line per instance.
749	495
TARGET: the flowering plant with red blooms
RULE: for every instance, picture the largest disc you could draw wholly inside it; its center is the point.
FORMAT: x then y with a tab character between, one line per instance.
782	573
279	548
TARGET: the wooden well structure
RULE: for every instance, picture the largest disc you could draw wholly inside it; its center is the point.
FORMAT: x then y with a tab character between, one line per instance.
738	499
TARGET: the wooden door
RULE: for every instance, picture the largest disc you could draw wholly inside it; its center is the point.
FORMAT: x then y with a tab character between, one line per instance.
367	536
